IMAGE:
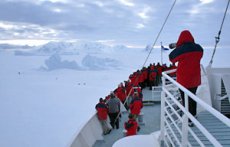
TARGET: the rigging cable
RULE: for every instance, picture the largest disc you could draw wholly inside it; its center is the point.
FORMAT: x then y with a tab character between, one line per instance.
158	35
218	37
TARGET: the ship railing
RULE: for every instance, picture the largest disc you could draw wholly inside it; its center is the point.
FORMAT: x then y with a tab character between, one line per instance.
88	134
156	93
220	98
174	116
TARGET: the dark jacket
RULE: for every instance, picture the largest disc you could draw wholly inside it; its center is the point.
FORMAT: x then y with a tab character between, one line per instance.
188	55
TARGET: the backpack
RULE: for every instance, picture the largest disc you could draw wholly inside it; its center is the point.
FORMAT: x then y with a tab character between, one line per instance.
128	125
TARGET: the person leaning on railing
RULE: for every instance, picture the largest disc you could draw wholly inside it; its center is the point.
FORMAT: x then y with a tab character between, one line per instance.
102	114
188	55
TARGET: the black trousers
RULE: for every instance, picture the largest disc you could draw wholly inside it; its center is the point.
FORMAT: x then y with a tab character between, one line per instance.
114	119
191	103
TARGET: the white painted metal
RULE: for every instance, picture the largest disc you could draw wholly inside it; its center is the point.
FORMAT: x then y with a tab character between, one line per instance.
203	91
217	114
185	124
167	94
226	79
163	97
191	117
214	78
137	141
156	92
88	134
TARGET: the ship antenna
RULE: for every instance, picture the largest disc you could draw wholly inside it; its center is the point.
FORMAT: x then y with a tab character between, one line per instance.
218	36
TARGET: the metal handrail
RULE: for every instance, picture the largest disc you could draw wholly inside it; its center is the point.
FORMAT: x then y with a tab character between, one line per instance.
211	110
207	134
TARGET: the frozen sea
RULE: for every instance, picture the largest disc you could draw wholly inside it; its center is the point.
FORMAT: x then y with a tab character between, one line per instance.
46	97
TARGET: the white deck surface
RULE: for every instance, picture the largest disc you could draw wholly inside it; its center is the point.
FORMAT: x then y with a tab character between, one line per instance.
138	140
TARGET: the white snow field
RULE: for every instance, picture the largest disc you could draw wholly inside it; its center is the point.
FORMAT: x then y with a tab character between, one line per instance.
49	92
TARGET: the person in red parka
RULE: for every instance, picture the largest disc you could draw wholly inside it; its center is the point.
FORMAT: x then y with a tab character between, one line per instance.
188	55
102	114
131	126
128	87
135	105
159	74
144	75
152	76
120	92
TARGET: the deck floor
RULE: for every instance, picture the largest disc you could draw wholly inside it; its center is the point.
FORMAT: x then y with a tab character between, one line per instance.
218	129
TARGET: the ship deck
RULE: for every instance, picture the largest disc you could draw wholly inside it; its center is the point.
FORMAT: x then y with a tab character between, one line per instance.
152	114
151	122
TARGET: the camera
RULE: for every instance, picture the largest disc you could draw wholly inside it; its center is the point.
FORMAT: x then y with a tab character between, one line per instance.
172	45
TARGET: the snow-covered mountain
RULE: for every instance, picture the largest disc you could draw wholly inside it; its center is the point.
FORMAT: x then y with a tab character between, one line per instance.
55	47
86	55
72	48
96	63
6	46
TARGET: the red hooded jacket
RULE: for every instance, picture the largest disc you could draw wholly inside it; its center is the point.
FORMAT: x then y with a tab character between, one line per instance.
152	73
102	111
131	127
136	106
128	87
188	55
120	92
144	74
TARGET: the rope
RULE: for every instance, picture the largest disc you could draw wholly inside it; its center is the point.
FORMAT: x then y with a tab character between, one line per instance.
158	35
152	47
218	37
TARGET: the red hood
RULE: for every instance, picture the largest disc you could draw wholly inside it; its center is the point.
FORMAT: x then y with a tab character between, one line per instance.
185	37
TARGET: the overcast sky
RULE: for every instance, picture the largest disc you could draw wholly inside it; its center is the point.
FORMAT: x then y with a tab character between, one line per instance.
128	22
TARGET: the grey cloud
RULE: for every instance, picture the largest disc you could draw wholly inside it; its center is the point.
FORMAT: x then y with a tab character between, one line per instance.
111	20
42	14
